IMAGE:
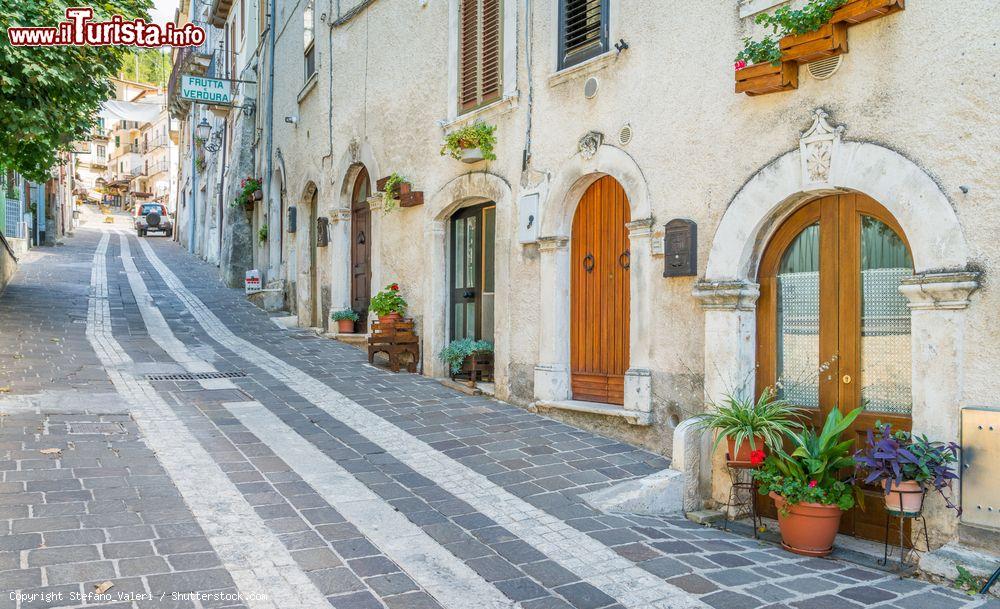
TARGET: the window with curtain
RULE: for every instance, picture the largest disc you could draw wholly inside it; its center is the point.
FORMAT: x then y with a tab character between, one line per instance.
583	30
309	42
480	61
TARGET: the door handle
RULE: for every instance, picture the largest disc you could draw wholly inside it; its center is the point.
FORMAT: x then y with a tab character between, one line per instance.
847	379
469	294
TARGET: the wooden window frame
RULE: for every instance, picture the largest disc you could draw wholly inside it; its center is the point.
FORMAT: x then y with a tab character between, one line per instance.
482	98
568	59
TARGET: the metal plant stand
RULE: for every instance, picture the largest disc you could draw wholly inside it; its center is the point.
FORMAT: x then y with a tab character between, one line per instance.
904	553
742	495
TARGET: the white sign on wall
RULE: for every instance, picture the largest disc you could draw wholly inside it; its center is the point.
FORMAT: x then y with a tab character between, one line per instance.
206	90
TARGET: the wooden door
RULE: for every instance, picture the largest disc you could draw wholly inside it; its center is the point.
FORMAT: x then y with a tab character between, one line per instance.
314	296
361	272
471	239
832	328
599	294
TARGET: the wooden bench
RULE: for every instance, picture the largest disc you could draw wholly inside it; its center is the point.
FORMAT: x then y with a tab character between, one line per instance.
395	339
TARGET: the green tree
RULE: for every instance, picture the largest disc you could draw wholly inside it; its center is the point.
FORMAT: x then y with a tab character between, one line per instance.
49	96
146	65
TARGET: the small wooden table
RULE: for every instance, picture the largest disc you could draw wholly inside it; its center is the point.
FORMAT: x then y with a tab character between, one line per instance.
395	339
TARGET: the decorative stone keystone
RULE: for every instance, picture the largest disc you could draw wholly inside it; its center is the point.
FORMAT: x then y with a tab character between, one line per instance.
948	290
819	146
589	144
727	295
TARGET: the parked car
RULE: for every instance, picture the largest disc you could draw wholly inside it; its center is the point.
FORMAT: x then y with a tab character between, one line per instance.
152	217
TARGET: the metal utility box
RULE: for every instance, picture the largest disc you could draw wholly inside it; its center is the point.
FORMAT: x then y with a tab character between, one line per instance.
528	218
680	248
981	466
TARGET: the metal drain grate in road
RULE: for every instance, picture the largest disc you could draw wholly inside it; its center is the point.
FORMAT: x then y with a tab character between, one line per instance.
195	376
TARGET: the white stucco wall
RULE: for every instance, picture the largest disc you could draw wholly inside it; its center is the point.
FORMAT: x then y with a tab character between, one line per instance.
918	83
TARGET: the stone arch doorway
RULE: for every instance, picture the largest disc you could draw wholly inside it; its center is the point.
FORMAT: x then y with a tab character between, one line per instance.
308	297
361	243
937	294
833	329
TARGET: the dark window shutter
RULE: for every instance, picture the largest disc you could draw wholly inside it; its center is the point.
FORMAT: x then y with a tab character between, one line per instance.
583	30
480	52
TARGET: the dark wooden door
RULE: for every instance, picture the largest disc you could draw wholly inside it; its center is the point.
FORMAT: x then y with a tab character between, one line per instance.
832	327
599	294
361	271
471	238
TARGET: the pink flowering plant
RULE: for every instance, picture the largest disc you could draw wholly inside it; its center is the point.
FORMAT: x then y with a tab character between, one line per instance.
812	472
248	186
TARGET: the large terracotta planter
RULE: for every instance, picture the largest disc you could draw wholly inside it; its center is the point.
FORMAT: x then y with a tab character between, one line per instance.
906	497
742	454
764	78
807	528
345	326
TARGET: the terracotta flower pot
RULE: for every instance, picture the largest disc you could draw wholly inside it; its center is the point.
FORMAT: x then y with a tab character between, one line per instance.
391	318
807	528
345	326
906	497
742	455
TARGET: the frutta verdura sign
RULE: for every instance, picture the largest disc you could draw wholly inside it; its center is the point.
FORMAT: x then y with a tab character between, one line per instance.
206	90
80	29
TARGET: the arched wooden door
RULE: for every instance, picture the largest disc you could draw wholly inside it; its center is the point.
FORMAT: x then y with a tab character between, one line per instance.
314	295
833	330
361	221
599	289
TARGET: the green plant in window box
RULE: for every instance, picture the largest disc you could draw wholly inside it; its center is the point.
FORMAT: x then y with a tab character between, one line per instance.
458	351
788	21
390	200
481	136
249	187
759	51
262	233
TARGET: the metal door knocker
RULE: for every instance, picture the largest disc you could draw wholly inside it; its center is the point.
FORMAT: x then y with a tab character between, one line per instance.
625	259
588	263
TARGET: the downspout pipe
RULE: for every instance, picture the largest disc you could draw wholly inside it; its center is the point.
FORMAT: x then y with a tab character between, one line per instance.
270	136
193	203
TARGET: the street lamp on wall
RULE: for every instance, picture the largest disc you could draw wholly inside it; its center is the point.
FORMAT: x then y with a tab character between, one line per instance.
203	131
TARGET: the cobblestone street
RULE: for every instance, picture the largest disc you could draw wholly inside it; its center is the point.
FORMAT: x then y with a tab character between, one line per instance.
159	432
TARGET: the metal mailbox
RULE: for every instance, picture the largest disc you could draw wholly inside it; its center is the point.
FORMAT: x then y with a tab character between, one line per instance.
680	248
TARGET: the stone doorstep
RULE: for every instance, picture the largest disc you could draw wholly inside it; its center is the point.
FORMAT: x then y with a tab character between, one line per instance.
658	494
353	339
633	417
942	564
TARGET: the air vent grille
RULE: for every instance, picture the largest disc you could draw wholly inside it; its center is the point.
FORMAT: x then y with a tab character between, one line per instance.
825	68
625	134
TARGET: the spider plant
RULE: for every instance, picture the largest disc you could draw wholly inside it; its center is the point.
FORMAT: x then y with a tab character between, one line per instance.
767	419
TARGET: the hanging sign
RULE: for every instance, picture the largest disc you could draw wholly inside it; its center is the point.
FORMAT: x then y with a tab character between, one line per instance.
206	90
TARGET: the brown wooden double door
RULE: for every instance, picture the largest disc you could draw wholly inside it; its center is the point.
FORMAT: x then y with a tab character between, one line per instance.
833	330
599	294
361	221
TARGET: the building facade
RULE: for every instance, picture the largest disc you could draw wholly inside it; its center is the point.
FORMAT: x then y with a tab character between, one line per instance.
647	240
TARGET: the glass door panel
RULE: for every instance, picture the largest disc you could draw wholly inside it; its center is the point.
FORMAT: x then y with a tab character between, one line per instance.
797	316
884	372
472	264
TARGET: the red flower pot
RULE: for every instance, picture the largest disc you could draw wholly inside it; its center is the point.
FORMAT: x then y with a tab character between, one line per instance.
391	318
807	528
742	455
345	326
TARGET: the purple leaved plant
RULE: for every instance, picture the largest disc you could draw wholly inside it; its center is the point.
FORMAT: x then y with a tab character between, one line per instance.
890	458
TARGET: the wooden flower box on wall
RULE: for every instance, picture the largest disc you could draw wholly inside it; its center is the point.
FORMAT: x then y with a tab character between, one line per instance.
764	78
404	192
827	41
859	11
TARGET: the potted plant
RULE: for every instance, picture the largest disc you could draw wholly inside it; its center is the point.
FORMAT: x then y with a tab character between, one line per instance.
859	11
759	69
905	466
392	188
751	426
388	304
345	320
469	356
249	192
471	144
807	34
262	234
806	486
